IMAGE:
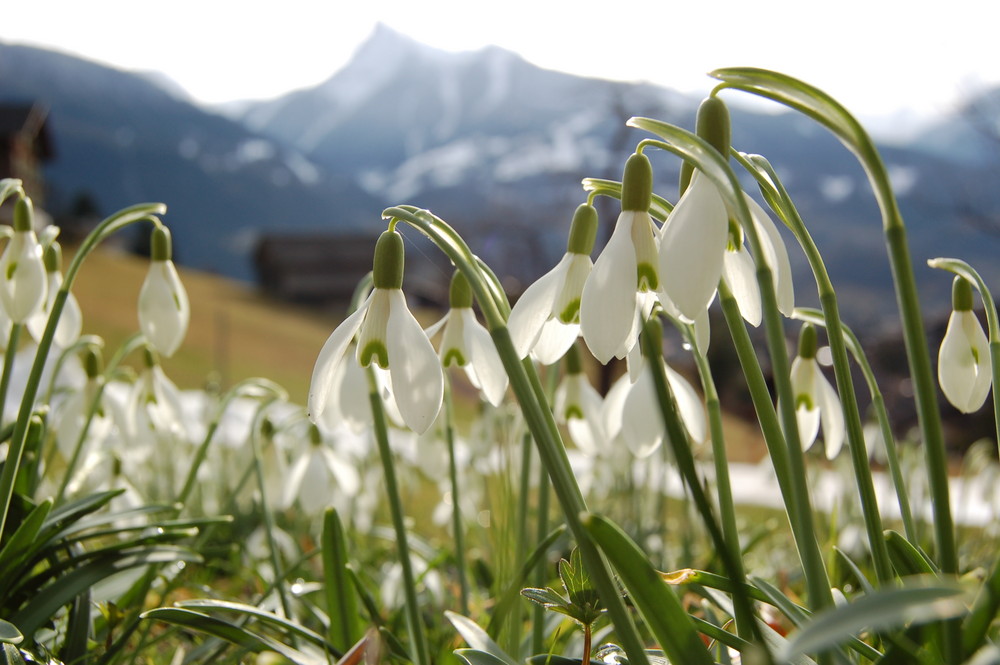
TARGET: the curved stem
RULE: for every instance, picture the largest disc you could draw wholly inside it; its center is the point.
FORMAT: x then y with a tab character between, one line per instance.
527	388
781	203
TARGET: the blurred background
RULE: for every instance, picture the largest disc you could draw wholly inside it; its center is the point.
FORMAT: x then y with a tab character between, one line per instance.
277	135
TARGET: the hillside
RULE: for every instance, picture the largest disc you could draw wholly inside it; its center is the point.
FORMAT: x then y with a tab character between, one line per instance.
234	331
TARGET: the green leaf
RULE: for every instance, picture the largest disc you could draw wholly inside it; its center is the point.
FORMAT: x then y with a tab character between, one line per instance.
658	604
230	632
9	634
341	599
263	616
920	601
478	639
907	559
477	657
544	597
11	655
24	541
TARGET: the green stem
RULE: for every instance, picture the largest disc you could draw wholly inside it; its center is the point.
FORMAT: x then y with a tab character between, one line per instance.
8	363
15	452
881	415
421	655
538	416
778	197
456	506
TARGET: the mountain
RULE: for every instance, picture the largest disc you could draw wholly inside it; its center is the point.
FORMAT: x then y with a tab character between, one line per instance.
491	143
124	138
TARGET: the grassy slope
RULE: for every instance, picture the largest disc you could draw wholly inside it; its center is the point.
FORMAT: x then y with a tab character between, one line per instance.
234	330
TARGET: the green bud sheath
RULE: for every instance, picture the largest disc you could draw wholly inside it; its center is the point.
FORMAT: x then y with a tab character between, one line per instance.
24	215
961	295
583	231
460	294
161	245
713	125
387	268
807	342
92	363
53	258
637	183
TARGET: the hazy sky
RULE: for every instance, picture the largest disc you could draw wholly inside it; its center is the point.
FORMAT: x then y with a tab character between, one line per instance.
876	56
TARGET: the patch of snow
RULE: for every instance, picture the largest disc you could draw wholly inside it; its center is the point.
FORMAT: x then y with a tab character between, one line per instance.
302	168
254	150
189	148
836	188
903	178
440	167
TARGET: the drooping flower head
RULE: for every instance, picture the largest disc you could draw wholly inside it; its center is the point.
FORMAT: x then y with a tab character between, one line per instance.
545	320
964	369
626	267
22	271
164	310
580	407
467	344
693	240
71	319
816	401
390	337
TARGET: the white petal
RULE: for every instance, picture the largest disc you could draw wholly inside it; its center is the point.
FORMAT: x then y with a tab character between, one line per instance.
702	332
776	255
164	311
740	274
534	307
692	244
435	327
964	362
414	370
831	415
614	406
330	356
566	307
22	276
484	358
554	341
607	307
689	405
642	424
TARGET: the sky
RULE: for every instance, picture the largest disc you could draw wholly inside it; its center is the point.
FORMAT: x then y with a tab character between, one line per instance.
876	56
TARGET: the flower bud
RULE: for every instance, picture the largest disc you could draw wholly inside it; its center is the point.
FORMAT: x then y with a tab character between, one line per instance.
164	311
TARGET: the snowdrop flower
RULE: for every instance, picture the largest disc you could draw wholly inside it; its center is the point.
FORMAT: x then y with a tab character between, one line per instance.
389	336
164	311
71	319
467	344
964	369
626	267
22	271
580	407
318	474
632	411
692	247
816	401
545	320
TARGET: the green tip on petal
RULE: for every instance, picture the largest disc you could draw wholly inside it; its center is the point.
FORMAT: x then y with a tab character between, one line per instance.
161	245
149	356
571	313
53	257
713	124
807	342
92	363
374	350
460	294
267	428
24	215
315	436
574	411
646	277
454	357
387	268
637	183
583	231
961	294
